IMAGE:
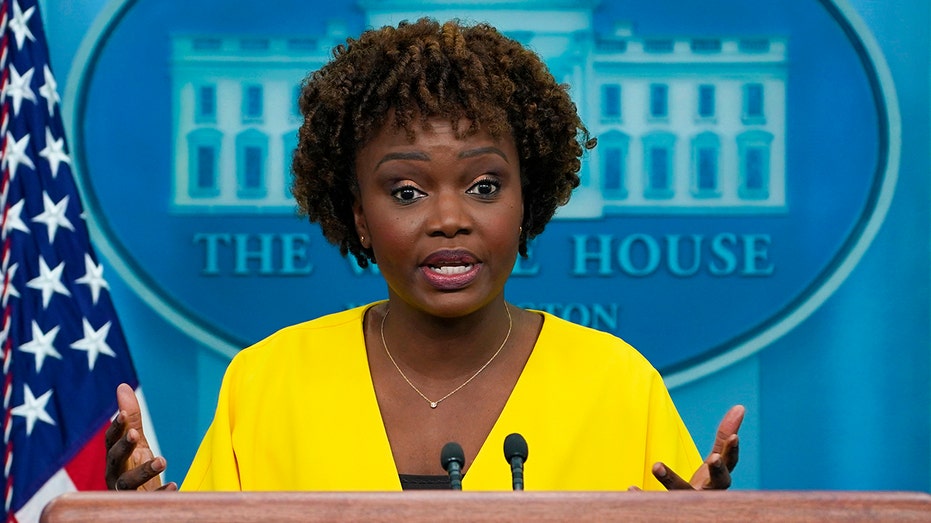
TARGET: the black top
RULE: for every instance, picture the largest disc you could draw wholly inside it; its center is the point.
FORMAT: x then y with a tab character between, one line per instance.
424	482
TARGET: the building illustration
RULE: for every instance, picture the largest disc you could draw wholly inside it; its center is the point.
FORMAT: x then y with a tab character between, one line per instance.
685	124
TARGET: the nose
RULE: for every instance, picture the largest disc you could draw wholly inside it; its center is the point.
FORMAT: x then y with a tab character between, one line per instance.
449	215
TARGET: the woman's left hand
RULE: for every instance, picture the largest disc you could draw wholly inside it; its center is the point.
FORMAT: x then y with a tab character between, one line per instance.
715	472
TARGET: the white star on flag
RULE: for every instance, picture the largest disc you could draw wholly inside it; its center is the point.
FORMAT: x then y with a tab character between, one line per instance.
93	277
14	220
42	344
54	152
33	409
54	215
16	154
49	90
8	288
19	24
18	88
48	281
94	342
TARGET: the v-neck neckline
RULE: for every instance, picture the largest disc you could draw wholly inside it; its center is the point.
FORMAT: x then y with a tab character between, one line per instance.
483	469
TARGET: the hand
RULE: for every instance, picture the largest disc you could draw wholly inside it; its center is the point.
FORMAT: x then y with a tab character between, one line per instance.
715	472
131	465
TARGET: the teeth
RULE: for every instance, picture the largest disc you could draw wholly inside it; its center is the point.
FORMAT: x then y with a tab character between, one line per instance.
449	270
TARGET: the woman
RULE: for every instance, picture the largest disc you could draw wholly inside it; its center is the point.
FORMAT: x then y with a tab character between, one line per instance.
437	152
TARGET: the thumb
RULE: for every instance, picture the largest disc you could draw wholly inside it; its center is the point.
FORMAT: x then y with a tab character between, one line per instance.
728	427
127	403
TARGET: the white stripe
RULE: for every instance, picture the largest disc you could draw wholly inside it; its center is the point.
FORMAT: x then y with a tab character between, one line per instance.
58	484
147	425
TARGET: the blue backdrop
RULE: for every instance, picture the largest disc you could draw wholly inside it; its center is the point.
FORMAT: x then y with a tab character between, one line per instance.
820	327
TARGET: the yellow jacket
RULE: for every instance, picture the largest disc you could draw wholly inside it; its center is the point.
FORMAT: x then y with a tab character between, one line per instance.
297	411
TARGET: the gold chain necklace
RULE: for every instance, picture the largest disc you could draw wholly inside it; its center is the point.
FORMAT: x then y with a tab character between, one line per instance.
432	403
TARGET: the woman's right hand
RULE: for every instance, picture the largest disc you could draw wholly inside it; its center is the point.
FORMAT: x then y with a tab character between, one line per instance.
131	465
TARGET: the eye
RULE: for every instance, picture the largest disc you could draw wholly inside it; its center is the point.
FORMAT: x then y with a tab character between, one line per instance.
407	194
485	187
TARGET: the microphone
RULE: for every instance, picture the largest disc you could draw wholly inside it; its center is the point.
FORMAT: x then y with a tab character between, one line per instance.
452	458
515	451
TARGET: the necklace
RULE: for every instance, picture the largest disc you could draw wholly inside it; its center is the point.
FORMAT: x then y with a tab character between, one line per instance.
433	404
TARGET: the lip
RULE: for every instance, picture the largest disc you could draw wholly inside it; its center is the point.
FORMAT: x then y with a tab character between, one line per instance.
450	269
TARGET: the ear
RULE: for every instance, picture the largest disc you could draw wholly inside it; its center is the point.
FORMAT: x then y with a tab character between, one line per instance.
362	228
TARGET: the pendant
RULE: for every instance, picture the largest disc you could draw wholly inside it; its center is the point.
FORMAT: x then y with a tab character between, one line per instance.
432	404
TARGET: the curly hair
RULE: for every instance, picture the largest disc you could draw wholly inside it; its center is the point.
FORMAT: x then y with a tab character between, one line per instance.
424	70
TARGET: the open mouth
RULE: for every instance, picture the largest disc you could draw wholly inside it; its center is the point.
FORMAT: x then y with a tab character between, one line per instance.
450	270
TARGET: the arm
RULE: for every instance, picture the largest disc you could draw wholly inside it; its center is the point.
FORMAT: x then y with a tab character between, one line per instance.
131	465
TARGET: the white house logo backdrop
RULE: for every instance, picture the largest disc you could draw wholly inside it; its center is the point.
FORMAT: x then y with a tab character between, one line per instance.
746	155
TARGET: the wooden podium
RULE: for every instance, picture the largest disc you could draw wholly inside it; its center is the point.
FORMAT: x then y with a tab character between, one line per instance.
538	507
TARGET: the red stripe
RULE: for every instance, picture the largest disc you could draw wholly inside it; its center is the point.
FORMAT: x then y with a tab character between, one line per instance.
4	182
87	469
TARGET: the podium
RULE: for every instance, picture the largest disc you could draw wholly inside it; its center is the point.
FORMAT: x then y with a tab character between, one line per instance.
538	507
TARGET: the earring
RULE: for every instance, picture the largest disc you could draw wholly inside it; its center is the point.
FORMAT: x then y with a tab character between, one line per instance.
362	240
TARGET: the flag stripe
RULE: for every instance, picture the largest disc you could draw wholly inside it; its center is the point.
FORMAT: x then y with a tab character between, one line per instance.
84	469
58	484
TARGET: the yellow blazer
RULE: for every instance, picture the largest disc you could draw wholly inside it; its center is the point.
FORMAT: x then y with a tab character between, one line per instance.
297	411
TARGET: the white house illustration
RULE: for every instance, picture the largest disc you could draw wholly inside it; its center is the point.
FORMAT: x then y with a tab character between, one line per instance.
684	124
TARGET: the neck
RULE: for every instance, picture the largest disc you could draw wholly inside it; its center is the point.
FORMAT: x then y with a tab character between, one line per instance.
441	347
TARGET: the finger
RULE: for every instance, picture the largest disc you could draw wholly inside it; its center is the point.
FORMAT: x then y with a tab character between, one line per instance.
118	454
127	402
634	488
115	430
136	477
170	486
669	478
729	425
141	453
719	476
731	452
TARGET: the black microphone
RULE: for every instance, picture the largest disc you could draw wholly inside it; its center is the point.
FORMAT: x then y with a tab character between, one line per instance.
452	458
515	451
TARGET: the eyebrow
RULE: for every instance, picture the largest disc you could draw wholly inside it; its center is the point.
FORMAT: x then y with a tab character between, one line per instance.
403	156
472	153
423	157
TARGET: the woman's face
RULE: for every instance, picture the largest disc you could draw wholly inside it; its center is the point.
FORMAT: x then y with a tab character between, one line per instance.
441	214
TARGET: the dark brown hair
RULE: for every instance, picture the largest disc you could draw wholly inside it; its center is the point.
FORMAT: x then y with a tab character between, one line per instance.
425	70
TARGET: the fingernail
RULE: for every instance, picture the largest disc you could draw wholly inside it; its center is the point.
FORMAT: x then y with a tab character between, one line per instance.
661	471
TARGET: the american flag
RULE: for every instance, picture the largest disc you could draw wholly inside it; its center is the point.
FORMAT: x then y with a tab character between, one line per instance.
63	349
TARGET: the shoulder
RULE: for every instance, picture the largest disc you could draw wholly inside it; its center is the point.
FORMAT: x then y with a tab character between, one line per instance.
567	329
321	335
576	345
